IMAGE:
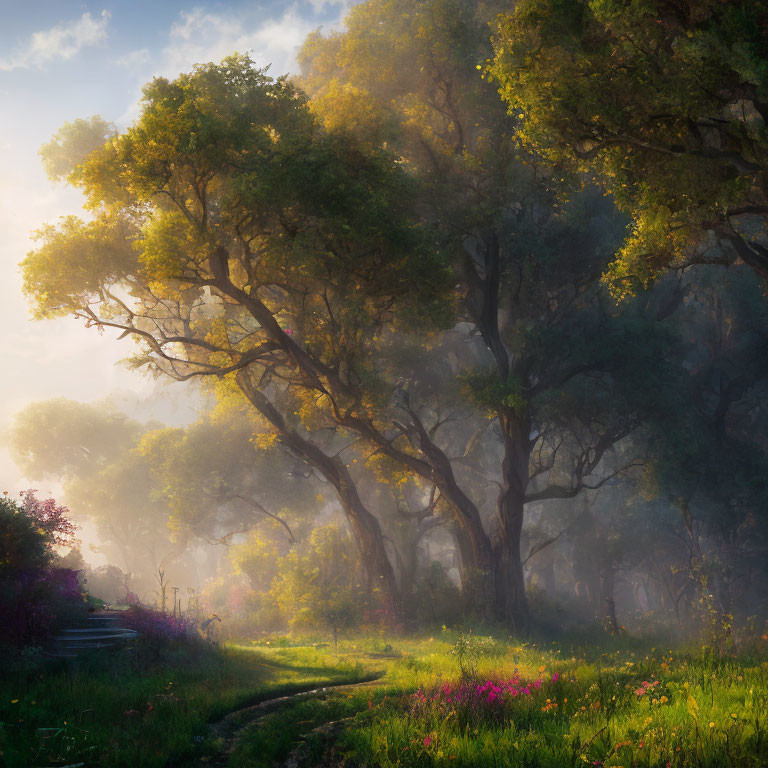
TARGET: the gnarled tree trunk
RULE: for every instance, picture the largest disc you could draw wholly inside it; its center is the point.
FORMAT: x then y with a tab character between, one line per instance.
365	527
511	600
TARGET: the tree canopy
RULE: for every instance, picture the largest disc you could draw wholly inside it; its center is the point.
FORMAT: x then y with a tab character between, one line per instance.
664	105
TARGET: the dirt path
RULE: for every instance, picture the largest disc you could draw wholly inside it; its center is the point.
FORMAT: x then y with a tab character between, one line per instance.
232	728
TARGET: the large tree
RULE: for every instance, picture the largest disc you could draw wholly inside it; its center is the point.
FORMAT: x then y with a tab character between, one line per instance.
665	105
235	237
405	74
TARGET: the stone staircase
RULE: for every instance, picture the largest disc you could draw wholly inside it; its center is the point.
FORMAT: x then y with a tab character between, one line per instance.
102	631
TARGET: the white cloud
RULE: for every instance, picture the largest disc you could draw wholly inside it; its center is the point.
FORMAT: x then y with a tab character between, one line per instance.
134	59
319	5
202	36
60	42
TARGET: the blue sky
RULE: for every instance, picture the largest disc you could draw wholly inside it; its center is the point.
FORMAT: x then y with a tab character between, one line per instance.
60	60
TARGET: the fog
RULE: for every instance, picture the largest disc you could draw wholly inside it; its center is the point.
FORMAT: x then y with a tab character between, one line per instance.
379	363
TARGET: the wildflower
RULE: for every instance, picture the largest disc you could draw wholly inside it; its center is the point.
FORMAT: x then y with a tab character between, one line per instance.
711	725
427	741
555	677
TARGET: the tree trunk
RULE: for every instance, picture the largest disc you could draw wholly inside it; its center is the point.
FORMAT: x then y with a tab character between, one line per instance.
607	599
365	527
511	600
543	571
464	552
476	551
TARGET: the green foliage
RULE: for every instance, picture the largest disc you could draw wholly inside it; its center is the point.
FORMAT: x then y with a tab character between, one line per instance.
72	144
491	394
319	230
468	649
321	586
24	548
61	438
664	108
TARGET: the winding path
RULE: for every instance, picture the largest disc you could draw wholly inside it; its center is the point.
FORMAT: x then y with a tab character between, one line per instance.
232	728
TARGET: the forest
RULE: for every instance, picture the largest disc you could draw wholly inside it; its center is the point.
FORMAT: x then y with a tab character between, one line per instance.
472	312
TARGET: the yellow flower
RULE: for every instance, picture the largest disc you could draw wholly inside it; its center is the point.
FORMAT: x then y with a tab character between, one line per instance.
711	725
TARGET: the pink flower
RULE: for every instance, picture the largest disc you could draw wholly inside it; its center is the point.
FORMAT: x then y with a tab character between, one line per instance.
537	684
427	741
555	677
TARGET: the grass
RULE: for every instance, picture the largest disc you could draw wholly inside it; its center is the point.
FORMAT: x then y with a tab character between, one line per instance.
121	710
696	709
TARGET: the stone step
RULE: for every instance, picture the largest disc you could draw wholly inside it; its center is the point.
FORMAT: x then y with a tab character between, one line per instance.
85	646
77	632
126	635
103	632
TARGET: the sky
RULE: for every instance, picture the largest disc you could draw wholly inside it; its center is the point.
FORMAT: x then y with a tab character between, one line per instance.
61	60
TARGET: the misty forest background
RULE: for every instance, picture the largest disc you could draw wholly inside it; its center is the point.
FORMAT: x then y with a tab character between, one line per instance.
474	311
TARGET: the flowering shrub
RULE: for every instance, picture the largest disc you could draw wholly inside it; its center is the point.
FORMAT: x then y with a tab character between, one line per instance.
153	625
36	597
474	704
50	518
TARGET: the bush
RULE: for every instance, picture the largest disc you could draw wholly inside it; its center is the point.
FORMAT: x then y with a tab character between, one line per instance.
36	597
153	625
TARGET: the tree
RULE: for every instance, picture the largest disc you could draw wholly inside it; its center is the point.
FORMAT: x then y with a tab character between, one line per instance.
92	451
73	143
708	456
405	74
664	105
35	594
320	585
218	483
233	236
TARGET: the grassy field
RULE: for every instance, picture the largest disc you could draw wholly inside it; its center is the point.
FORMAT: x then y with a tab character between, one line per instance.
122	710
449	700
626	706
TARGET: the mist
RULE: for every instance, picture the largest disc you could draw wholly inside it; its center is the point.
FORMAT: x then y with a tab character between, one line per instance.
428	360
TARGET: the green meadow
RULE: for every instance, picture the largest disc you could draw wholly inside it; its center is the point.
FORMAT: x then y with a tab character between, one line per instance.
620	705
